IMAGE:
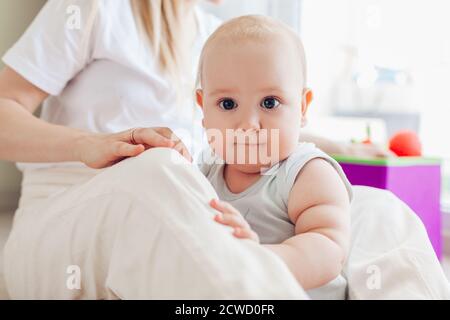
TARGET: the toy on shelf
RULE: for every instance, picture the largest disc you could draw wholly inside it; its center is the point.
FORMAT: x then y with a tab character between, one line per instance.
415	180
368	139
406	144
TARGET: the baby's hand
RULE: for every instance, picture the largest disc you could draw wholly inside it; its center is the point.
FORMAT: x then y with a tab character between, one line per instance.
231	217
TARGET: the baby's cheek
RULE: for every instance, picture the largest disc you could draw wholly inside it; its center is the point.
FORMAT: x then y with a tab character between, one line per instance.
219	142
288	141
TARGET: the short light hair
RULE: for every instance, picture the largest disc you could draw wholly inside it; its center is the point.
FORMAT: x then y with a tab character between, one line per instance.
253	27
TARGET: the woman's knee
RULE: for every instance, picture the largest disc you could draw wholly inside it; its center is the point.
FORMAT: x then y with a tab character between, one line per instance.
148	163
157	175
155	158
153	166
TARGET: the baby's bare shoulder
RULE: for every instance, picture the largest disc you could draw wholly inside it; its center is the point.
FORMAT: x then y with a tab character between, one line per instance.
318	183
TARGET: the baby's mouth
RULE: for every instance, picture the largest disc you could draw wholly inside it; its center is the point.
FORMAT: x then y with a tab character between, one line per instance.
254	141
250	144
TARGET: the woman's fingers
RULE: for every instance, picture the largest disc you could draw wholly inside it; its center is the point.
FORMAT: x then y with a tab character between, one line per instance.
160	137
181	148
123	149
178	144
104	150
149	137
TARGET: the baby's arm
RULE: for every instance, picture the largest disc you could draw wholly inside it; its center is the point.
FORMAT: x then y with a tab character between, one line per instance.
319	207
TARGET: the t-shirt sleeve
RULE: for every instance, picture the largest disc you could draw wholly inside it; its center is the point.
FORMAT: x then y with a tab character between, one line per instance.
56	45
295	163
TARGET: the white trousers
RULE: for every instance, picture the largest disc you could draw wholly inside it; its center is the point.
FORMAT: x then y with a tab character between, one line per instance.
143	229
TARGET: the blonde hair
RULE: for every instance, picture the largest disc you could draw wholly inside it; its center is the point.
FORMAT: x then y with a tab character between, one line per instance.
252	27
162	23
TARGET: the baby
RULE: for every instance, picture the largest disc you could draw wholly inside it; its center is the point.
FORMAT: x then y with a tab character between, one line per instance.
289	196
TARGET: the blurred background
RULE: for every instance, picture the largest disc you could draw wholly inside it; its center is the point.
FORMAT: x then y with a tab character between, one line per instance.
381	62
384	62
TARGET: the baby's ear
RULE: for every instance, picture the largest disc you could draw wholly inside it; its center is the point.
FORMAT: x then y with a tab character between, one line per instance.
199	97
307	98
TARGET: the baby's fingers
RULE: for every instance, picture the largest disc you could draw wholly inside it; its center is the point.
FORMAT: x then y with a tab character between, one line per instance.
231	220
246	233
223	207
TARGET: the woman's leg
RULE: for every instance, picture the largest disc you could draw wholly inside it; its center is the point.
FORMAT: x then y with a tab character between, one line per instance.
139	230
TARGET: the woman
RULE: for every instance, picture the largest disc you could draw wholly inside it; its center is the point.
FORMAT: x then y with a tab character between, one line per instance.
95	235
90	225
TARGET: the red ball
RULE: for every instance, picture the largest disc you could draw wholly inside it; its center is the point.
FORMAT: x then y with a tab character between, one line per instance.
406	144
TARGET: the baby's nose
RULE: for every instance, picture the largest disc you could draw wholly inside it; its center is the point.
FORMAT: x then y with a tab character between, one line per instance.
249	123
249	128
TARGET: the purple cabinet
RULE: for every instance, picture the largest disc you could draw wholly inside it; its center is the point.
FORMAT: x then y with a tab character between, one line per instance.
416	181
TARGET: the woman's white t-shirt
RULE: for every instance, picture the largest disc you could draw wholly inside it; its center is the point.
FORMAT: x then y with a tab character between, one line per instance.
100	72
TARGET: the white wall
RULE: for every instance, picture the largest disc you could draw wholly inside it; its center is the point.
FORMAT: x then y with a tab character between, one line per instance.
15	16
285	10
412	35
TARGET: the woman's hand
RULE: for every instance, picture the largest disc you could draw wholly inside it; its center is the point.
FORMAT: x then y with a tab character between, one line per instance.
231	217
104	150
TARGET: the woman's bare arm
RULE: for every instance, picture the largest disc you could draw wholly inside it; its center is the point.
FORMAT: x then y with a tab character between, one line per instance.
25	138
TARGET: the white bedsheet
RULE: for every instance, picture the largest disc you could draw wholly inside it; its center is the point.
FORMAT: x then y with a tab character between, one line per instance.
391	256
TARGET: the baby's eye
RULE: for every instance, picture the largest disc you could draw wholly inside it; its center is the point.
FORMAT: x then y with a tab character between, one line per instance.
228	104
270	103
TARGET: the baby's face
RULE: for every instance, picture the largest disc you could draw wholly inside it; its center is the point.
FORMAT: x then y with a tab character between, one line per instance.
252	96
